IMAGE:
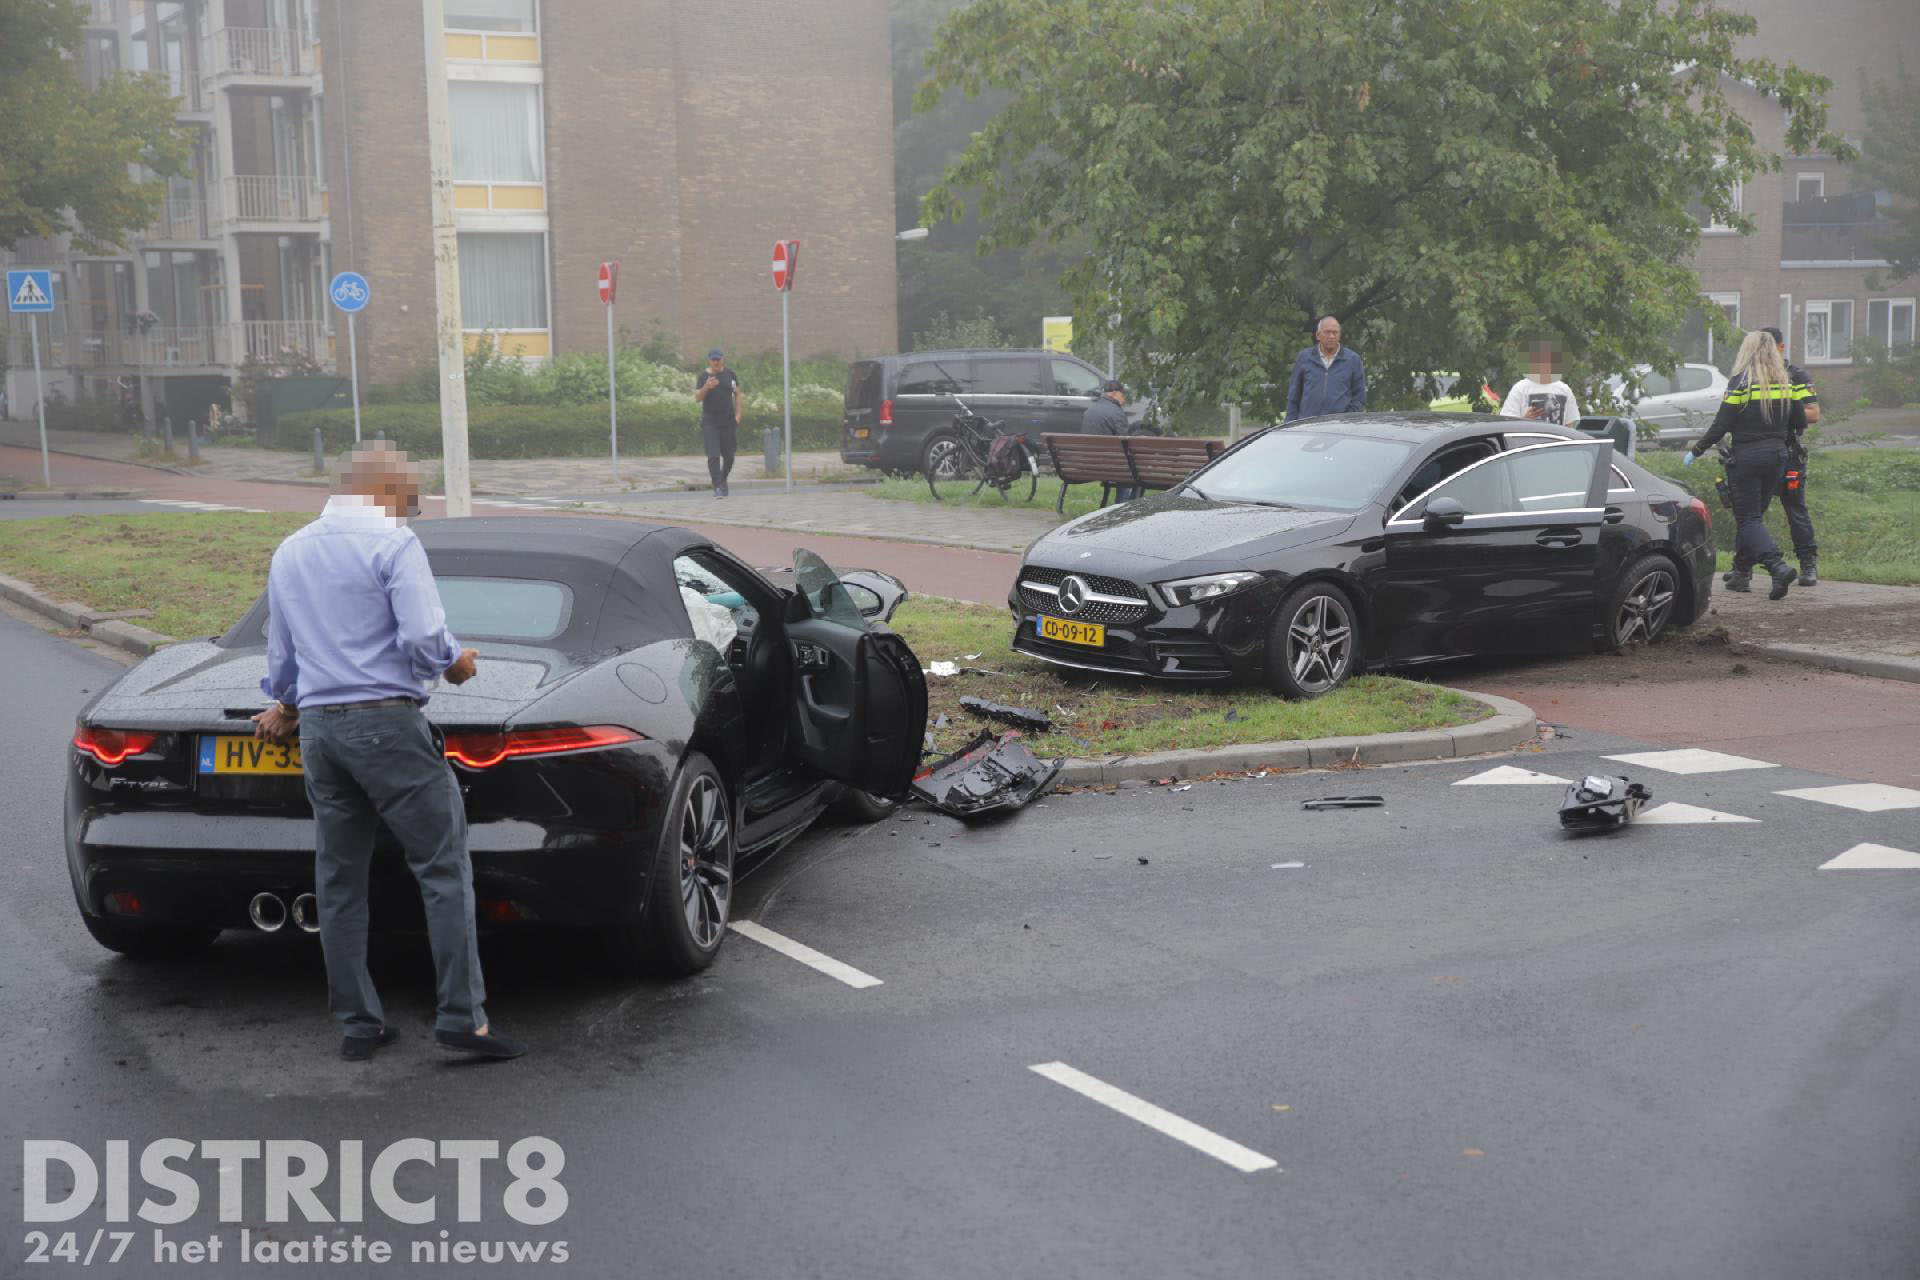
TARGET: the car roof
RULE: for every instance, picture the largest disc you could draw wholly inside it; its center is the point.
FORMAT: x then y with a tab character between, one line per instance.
1420	426
970	353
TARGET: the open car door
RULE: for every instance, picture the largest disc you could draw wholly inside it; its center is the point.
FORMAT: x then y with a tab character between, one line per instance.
859	698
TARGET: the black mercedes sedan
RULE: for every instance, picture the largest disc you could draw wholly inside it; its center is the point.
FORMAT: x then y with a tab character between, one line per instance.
649	715
1333	545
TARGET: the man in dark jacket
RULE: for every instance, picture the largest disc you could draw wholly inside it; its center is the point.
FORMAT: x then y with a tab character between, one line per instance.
1327	377
1107	417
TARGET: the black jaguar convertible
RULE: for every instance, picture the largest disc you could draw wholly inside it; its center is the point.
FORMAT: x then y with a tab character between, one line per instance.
649	714
1333	545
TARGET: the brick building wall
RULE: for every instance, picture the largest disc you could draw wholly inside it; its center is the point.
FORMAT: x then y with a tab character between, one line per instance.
681	139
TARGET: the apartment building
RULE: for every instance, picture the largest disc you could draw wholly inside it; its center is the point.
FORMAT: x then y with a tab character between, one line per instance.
1809	265
678	138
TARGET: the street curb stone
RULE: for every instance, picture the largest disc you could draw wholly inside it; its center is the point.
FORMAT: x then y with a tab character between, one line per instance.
80	617
71	495
1885	666
1512	724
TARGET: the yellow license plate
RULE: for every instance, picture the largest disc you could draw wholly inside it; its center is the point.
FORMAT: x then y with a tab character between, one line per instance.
1091	634
236	753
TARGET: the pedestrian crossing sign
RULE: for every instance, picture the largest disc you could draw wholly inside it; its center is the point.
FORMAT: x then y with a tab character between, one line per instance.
30	291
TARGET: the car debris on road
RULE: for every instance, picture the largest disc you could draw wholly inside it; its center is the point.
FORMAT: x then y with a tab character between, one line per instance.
991	774
1601	803
1345	802
1027	718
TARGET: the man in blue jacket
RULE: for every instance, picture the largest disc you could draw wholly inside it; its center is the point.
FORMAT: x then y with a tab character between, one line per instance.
1327	377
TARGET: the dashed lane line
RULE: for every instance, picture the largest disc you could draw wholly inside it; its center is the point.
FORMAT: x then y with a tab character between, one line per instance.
1866	797
1874	857
804	954
1688	760
1675	813
1203	1140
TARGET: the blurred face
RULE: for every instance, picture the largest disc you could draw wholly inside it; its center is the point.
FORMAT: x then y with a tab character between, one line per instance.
716	364
1328	334
386	476
1546	363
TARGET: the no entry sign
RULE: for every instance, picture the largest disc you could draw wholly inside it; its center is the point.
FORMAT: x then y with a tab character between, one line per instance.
609	280
786	260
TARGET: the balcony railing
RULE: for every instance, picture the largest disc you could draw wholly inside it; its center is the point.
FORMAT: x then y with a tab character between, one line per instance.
181	218
278	340
186	346
1841	228
255	197
258	51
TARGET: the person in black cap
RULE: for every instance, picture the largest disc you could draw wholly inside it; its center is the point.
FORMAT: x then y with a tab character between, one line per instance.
717	388
1793	494
1107	417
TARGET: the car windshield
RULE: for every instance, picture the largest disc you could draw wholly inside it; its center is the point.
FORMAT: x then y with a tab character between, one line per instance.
1312	469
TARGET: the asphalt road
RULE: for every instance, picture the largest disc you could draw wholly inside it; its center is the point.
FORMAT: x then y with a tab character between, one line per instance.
1469	1045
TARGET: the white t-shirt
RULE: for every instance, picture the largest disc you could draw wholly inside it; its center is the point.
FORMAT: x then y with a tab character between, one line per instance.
1555	400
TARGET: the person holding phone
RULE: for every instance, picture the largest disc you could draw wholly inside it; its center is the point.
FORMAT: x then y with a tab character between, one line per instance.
717	388
1543	396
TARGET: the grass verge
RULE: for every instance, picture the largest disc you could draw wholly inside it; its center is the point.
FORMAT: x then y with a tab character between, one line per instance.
1081	498
1865	505
1113	715
197	572
200	572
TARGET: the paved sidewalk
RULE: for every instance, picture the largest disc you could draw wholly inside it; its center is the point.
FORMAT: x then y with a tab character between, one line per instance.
846	510
519	477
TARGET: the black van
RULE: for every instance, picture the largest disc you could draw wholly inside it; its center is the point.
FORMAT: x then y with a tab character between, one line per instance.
898	406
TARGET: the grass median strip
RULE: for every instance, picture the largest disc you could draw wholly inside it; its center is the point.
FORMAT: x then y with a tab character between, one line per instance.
199	572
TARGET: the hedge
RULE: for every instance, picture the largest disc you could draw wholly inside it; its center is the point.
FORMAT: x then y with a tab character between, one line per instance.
650	426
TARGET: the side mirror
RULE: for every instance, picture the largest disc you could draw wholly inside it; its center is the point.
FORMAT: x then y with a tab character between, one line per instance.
1443	514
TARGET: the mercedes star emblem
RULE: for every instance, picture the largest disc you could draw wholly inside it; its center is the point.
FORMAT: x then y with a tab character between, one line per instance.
1073	593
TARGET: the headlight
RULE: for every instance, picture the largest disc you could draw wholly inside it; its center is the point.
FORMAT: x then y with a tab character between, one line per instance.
1194	590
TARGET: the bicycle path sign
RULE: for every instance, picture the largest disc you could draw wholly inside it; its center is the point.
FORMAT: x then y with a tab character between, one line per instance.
350	291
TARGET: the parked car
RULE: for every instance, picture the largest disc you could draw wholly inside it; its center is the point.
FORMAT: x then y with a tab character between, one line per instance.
649	712
1679	408
899	408
1335	545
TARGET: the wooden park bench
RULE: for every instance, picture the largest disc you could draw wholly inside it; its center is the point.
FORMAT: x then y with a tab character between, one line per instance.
1138	462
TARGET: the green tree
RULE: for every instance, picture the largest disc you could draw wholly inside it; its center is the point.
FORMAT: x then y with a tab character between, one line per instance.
66	153
1890	157
1448	177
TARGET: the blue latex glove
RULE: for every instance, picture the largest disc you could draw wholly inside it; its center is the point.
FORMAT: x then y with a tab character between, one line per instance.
1689	458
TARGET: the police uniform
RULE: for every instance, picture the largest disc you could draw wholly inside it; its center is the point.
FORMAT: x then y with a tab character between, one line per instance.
1764	421
1793	493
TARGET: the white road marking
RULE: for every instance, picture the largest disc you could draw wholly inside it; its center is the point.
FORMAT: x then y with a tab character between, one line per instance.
1507	775
1867	797
1690	760
1874	857
185	504
1675	812
1206	1141
804	954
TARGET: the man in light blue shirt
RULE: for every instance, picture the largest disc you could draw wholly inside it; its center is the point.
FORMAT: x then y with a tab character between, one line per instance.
356	636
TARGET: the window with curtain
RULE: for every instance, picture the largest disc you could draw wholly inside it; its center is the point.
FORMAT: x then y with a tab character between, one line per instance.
503	280
496	131
490	15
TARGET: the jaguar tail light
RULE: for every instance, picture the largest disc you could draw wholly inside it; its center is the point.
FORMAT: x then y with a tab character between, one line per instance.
886	413
483	750
112	746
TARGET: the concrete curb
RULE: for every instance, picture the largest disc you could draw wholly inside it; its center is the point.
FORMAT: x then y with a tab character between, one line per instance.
1511	725
74	616
1885	666
69	495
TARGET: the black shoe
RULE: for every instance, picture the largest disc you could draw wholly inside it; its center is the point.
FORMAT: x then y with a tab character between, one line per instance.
1739	581
1809	572
491	1045
1783	576
362	1048
1731	574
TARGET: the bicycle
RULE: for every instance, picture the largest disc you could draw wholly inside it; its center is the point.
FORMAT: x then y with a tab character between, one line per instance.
981	454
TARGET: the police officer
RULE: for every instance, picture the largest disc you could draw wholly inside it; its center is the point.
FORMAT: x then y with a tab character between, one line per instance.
1761	413
1793	494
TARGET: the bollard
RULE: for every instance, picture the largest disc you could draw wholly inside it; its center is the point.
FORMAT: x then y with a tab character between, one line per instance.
166	439
146	431
319	453
770	442
193	440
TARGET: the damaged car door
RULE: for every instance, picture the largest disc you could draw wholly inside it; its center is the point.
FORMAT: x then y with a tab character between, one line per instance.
860	701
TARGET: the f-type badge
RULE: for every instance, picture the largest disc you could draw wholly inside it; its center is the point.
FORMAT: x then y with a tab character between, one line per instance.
1073	593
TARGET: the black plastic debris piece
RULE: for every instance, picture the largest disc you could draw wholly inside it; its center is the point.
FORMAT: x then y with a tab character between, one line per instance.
1601	803
1019	717
991	774
1345	802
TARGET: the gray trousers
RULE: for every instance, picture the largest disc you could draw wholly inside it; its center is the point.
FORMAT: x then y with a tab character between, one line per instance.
383	764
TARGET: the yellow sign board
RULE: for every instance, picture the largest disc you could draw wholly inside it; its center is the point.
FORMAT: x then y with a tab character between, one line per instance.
1056	333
